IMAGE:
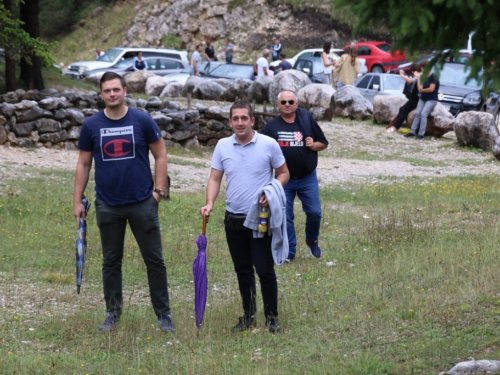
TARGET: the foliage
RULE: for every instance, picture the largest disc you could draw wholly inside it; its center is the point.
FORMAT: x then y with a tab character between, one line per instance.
439	25
18	42
172	41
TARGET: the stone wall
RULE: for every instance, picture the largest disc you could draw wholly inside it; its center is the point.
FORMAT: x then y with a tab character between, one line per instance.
53	119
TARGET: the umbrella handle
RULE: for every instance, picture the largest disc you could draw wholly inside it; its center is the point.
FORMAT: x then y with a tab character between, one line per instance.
204	228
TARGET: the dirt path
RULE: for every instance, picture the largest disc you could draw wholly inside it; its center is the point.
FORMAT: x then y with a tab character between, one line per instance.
358	153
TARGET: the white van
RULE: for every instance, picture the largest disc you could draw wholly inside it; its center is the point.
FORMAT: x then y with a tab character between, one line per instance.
114	55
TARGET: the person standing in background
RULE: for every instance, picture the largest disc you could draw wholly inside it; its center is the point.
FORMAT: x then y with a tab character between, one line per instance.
328	63
98	53
210	51
195	60
228	50
277	48
261	67
283	65
346	68
139	63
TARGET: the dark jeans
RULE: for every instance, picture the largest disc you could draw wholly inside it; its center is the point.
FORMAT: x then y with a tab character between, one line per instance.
404	111
248	252
143	220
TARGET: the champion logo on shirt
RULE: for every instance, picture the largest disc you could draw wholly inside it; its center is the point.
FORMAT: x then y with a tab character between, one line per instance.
290	139
117	143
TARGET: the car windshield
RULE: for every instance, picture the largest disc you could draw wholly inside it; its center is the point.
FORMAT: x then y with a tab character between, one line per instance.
111	55
233	71
123	64
393	82
456	75
384	47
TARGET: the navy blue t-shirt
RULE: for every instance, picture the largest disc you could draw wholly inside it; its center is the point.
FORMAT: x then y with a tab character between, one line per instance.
121	154
430	95
284	65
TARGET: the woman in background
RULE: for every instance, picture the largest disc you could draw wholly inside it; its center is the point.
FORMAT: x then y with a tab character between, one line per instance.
139	63
328	63
346	68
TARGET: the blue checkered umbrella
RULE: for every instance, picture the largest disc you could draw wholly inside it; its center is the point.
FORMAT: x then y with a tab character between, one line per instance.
81	245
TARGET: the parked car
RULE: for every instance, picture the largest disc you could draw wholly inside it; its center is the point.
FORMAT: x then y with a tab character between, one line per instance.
114	55
457	94
312	66
462	58
158	65
492	105
373	84
231	72
204	68
378	56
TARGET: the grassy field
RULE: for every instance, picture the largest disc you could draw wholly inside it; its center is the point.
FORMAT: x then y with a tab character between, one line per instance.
408	284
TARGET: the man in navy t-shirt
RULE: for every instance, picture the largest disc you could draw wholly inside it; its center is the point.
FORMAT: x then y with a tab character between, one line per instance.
300	139
283	65
119	139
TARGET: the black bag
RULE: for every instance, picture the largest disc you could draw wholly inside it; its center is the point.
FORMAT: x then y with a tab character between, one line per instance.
235	221
408	89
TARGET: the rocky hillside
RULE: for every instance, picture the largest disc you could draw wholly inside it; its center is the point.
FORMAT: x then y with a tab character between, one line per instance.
251	26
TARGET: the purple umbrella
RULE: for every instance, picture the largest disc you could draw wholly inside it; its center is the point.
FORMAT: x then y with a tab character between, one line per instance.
200	275
81	245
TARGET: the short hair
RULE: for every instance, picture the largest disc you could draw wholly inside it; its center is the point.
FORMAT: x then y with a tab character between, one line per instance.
198	46
415	67
289	90
241	104
265	51
282	55
108	76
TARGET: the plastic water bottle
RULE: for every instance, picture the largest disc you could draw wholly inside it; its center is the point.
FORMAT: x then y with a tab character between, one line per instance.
263	219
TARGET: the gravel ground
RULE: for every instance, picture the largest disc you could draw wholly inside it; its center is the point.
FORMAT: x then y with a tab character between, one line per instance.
358	153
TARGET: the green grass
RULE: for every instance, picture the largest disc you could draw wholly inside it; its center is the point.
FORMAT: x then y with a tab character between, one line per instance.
412	288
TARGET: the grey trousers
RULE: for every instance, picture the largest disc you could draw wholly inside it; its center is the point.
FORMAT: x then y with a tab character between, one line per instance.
143	220
424	109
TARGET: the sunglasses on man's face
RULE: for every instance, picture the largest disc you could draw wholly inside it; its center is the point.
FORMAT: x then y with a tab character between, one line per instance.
291	102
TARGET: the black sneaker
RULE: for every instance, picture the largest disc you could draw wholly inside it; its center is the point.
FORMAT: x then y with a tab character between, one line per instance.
165	324
244	323
409	135
314	247
273	324
110	322
419	137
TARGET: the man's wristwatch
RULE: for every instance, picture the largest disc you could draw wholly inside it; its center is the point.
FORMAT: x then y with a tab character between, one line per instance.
162	193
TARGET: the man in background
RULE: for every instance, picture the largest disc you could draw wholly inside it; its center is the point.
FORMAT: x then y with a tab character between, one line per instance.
229	50
261	67
195	60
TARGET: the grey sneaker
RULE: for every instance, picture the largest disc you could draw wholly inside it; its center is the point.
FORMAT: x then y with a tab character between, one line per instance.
110	322
419	137
244	323
273	324
165	324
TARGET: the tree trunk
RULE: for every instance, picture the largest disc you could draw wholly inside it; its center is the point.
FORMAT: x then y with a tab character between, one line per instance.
10	62
31	75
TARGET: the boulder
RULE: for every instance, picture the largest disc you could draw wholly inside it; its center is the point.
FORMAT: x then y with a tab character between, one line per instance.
476	129
52	103
321	113
74	132
209	90
29	114
483	366
24	129
315	95
172	90
75	116
348	102
153	103
440	121
386	107
136	81
155	85
7	109
259	90
290	79
190	84
238	89
47	125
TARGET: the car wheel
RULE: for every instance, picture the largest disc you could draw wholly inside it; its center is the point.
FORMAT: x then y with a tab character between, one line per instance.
377	69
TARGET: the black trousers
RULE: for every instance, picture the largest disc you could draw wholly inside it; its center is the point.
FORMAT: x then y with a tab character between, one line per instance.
248	252
143	220
404	111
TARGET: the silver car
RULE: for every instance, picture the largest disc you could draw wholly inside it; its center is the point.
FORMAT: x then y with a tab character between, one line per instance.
158	65
373	84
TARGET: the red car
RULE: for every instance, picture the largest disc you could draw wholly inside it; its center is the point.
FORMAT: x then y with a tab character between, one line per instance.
378	56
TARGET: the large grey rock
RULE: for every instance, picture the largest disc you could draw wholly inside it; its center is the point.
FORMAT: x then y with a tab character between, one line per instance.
7	109
259	89
74	132
75	116
483	366
386	107
153	103
29	114
321	113
161	120
476	129
52	103
47	125
190	84
439	122
25	105
238	89
136	81
155	85
348	102
209	90
290	79
315	95
24	129
172	90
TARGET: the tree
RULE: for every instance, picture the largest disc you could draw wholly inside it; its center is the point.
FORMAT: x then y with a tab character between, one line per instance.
18	43
439	25
31	65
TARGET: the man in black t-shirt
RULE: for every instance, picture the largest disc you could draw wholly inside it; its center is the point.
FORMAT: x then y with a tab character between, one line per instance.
300	139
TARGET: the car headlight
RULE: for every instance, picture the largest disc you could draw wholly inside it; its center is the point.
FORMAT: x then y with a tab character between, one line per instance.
472	99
